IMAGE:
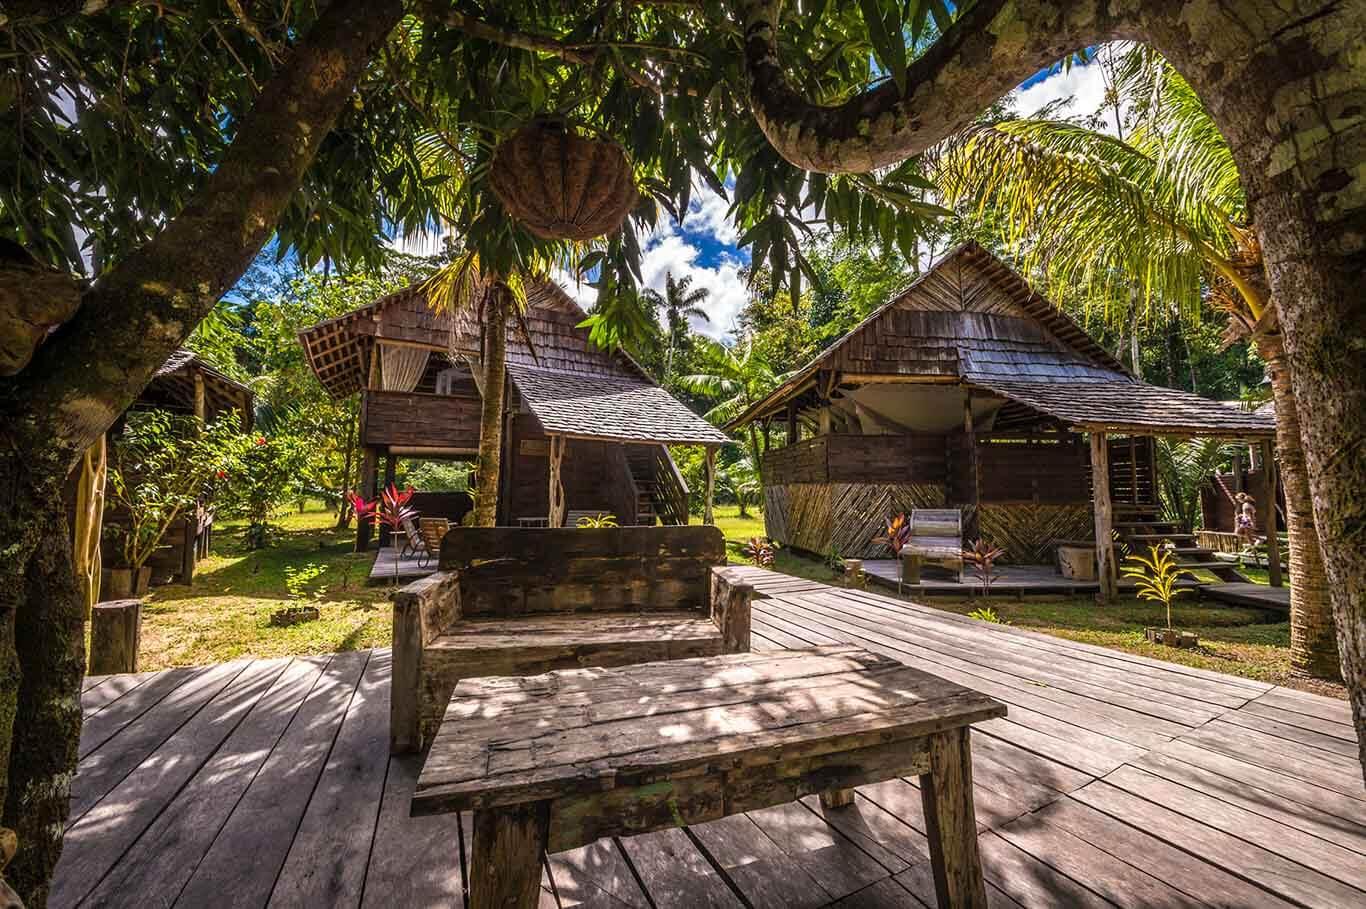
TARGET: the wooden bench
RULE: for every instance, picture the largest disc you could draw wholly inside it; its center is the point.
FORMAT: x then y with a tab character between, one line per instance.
557	761
519	601
936	538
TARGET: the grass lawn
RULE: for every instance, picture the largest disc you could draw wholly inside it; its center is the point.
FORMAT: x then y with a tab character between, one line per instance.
226	613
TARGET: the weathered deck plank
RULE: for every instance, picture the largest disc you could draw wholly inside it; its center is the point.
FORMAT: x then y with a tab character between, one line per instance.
270	781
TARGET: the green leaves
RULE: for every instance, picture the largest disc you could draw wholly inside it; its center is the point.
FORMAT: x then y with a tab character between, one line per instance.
884	31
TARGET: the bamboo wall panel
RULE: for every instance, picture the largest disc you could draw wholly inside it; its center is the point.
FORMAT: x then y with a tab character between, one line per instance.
844	517
1027	532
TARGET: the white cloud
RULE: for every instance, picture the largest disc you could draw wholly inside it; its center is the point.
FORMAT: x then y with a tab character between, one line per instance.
584	293
668	252
708	213
1084	85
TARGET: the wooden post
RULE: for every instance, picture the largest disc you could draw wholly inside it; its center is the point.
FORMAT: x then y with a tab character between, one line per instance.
708	517
793	431
1268	496
1100	495
950	821
1237	476
505	861
972	495
189	549
115	631
364	526
1133	468
246	412
823	423
555	498
386	536
201	408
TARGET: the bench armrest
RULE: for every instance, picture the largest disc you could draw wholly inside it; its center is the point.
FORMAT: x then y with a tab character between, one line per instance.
731	596
422	610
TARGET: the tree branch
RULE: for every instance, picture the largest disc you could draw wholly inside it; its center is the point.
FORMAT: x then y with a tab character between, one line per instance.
993	47
136	314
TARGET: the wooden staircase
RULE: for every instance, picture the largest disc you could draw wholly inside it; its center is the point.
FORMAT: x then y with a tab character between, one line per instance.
661	495
1139	526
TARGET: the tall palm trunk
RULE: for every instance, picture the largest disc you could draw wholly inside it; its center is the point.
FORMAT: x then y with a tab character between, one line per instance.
1313	638
491	410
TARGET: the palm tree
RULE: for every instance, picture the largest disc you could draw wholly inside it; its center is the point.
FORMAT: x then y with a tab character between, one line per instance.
680	302
735	379
489	299
1157	215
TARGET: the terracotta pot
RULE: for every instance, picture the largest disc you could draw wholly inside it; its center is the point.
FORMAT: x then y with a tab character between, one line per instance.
560	185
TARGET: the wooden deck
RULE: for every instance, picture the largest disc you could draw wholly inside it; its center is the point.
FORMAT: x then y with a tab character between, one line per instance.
1115	780
409	568
1012	580
1261	596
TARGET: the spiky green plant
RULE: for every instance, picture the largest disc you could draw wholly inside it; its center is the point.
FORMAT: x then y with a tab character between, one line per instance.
1155	576
597	521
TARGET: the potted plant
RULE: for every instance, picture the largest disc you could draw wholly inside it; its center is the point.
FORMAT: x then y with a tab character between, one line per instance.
759	551
305	601
982	557
1155	576
391	509
160	468
897	535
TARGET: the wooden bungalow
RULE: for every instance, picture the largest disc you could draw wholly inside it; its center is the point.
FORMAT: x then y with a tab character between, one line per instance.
971	391
185	385
582	424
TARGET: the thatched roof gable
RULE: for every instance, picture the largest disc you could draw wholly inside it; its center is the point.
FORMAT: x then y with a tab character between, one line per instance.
971	320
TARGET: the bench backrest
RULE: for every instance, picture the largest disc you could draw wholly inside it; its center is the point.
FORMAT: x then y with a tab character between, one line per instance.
936	523
511	571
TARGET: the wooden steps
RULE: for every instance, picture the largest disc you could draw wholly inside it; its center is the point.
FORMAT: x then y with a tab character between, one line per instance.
1142	528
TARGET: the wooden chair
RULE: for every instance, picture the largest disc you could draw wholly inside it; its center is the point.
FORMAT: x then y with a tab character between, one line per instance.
522	601
936	538
412	540
432	531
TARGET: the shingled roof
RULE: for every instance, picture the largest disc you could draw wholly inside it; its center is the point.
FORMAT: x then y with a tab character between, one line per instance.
1121	404
972	320
602	407
570	385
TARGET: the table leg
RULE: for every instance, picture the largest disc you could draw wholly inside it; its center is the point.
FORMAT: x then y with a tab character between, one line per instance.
505	862
951	822
837	798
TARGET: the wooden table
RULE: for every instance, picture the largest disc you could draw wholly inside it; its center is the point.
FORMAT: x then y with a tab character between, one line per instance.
557	761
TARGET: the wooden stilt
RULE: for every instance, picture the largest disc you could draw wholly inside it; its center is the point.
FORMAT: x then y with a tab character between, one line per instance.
708	517
364	526
1100	495
201	408
1268	497
556	494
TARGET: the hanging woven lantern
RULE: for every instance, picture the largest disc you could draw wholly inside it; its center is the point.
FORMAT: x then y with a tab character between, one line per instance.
560	185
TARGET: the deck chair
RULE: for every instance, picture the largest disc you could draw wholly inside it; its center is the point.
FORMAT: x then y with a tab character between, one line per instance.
412	540
936	538
511	601
432	531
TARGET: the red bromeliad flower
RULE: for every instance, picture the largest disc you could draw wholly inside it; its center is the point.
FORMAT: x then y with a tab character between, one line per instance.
390	509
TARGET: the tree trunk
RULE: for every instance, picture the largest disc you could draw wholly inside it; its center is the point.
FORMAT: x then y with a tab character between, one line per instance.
1313	640
47	612
87	373
491	408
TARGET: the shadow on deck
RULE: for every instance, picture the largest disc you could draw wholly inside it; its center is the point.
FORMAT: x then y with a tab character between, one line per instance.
1115	780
